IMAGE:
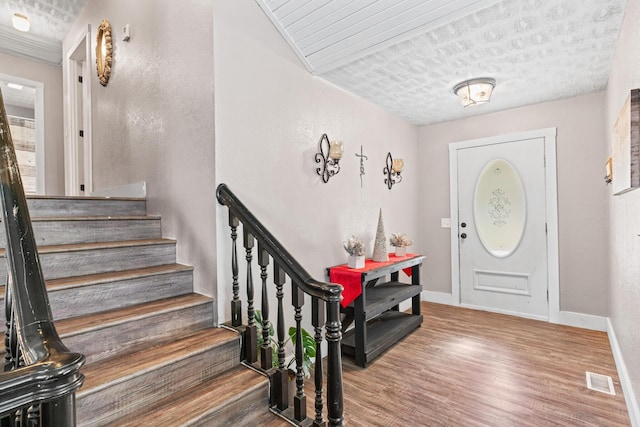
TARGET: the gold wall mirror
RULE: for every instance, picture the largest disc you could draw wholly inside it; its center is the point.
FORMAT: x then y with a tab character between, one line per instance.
104	52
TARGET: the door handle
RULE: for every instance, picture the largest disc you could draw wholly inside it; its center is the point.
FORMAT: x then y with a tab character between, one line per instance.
463	236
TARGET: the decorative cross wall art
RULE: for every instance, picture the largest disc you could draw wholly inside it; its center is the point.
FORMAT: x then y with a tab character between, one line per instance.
362	159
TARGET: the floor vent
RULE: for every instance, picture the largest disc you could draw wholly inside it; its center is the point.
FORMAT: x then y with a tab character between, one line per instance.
601	383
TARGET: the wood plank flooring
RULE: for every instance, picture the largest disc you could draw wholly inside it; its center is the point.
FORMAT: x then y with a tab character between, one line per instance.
472	368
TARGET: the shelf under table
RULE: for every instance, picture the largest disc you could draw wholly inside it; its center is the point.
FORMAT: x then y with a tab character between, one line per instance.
382	333
387	295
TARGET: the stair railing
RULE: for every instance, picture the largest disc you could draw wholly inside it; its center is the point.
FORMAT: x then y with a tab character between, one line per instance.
325	297
41	376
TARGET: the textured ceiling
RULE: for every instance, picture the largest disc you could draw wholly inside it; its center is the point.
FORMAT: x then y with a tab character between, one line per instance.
327	34
50	23
537	50
406	55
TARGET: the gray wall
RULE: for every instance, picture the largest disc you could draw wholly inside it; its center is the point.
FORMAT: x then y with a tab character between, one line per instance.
582	193
153	122
270	115
624	256
14	110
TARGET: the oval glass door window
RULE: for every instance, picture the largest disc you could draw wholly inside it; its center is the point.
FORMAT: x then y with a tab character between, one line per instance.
500	208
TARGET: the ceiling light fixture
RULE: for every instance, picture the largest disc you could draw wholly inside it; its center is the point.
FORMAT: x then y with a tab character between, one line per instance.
475	91
21	22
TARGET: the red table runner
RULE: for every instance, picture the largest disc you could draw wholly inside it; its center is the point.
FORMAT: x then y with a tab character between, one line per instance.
351	278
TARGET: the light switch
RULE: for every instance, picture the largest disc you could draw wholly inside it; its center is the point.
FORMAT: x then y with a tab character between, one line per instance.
445	222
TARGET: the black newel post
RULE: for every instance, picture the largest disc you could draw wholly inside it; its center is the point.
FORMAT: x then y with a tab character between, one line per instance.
333	335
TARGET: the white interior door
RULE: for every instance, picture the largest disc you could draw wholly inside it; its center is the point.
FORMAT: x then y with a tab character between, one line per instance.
502	237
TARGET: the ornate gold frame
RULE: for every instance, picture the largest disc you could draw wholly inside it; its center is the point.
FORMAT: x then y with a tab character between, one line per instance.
104	52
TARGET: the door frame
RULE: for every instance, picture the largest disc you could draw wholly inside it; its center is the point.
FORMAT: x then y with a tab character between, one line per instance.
78	53
551	209
38	111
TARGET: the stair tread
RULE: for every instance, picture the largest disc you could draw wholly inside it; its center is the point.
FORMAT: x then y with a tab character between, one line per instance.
96	218
124	366
99	320
113	276
201	399
99	245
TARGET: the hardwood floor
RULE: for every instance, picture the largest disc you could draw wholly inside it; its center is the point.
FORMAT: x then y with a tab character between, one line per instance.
472	368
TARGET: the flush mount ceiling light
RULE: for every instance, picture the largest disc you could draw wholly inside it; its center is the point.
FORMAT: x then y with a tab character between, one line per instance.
475	91
21	22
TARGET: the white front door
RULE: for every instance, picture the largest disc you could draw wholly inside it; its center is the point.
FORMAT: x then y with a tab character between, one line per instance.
501	226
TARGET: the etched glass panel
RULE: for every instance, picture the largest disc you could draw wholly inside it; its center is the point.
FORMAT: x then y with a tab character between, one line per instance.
500	208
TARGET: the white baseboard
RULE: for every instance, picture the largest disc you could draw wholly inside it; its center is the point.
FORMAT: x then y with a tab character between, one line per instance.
568	318
580	320
437	297
137	189
623	374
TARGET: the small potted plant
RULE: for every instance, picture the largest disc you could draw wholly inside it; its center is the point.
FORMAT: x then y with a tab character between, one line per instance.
355	249
400	242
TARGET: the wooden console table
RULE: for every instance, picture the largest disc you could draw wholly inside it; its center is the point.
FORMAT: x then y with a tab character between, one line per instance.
374	307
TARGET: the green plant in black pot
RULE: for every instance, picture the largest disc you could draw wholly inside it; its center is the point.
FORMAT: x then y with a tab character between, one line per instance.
308	345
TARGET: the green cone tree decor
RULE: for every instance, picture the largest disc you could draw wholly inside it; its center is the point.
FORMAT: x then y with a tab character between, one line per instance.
380	253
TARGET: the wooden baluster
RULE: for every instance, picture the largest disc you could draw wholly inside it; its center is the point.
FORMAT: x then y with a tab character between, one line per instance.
335	408
266	355
299	400
251	332
236	304
280	379
317	315
33	416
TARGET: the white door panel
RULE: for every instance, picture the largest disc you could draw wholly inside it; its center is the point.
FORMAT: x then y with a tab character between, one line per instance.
502	227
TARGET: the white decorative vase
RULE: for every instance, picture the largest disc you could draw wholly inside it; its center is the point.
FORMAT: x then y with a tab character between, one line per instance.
401	250
356	261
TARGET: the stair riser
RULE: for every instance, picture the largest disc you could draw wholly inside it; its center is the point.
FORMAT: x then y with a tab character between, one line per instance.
85	207
79	263
118	400
238	411
78	301
98	344
91	231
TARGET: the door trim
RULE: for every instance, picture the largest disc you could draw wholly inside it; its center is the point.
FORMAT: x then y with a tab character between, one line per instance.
551	209
81	41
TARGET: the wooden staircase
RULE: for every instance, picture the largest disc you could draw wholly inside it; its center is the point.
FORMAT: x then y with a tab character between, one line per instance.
118	296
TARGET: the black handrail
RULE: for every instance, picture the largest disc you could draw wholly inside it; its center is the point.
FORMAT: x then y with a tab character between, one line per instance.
325	291
302	282
45	372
